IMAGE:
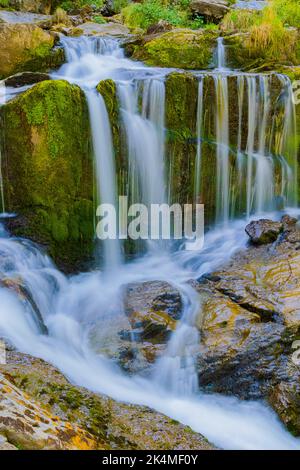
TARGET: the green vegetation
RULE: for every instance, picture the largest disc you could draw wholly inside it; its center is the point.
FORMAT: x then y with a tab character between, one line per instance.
270	40
178	48
73	4
51	161
142	15
288	11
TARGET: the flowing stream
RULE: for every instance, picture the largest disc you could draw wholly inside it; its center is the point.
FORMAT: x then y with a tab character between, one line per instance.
71	306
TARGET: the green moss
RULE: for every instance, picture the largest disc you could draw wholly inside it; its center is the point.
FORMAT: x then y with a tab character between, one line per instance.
178	48
181	106
48	172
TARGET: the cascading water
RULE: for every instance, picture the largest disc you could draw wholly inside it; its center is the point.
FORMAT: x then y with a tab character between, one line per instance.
199	137
222	137
144	140
105	167
70	307
221	54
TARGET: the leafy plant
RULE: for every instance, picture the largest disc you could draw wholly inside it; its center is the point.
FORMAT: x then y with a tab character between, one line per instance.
142	15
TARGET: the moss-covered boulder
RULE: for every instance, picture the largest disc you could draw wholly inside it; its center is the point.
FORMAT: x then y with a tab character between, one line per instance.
47	168
180	48
27	47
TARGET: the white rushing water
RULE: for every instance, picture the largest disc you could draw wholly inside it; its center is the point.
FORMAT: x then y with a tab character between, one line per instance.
70	307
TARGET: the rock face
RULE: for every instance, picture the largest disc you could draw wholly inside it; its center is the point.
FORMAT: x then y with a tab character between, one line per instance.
135	340
26	425
56	414
26	47
249	321
180	48
263	231
32	6
212	10
50	159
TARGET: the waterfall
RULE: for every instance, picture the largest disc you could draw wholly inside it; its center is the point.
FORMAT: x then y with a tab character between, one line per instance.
145	139
105	168
287	148
2	102
199	139
264	179
221	54
252	121
222	157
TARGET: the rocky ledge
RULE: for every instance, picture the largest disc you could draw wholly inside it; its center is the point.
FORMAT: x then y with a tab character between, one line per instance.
40	409
250	321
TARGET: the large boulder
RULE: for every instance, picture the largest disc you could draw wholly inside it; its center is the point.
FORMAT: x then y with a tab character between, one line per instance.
249	322
48	169
139	335
26	424
26	47
180	48
90	420
212	10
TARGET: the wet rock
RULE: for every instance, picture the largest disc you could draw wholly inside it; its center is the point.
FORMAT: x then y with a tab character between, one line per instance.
263	231
213	10
51	167
25	78
161	27
249	321
107	29
16	286
90	419
27	47
152	309
285	399
27	425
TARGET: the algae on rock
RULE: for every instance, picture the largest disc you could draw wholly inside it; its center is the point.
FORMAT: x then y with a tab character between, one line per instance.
26	47
180	48
47	168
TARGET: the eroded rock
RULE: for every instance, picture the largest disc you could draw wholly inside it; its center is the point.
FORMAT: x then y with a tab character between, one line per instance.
263	231
87	418
249	320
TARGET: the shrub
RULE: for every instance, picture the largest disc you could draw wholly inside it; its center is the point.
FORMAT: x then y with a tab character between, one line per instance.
269	38
142	15
60	17
240	20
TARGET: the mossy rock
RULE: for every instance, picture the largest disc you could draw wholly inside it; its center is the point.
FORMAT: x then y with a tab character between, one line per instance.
47	168
26	47
180	48
245	54
111	424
